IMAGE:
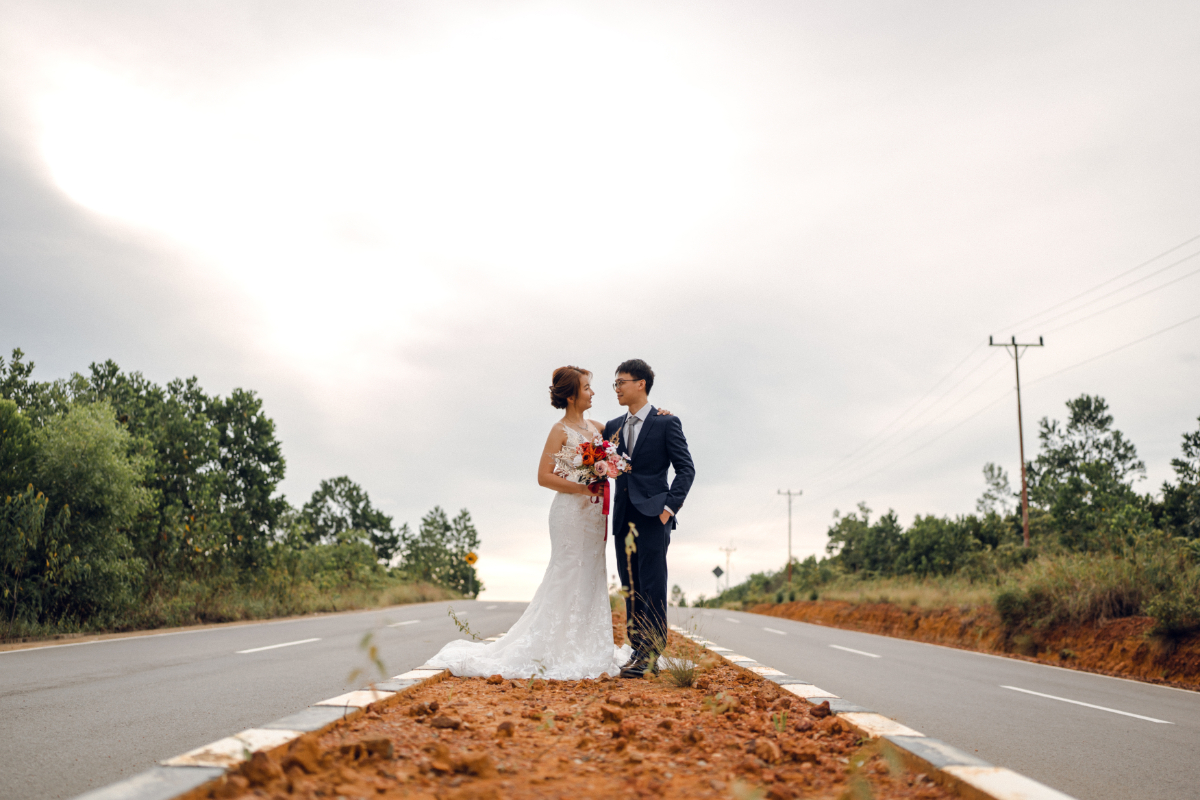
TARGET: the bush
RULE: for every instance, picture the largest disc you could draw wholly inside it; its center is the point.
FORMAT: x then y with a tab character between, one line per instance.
85	467
1155	576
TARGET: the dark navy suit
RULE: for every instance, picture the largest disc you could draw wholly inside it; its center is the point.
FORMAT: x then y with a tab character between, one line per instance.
641	495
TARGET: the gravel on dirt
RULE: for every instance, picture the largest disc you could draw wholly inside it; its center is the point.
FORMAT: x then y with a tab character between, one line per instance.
730	734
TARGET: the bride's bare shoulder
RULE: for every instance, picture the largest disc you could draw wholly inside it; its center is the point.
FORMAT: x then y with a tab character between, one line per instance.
558	434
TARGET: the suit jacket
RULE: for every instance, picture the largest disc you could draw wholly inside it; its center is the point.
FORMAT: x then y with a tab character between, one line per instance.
660	444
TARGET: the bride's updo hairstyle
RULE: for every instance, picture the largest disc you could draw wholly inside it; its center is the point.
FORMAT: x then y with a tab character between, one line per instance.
565	385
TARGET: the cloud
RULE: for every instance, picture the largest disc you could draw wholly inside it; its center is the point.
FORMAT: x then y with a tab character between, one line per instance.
394	223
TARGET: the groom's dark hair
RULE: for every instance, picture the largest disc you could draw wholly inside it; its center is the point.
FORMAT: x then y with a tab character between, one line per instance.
638	370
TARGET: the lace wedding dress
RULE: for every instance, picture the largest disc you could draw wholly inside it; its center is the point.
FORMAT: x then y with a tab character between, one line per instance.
566	632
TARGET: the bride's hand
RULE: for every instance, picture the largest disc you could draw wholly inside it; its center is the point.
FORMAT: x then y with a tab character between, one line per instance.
662	412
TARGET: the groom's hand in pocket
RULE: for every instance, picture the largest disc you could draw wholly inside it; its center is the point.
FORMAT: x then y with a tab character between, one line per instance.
665	516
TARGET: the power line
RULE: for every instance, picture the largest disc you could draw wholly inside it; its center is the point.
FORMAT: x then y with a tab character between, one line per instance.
972	391
834	467
958	402
841	466
831	473
916	450
1129	300
1115	350
959	424
1086	292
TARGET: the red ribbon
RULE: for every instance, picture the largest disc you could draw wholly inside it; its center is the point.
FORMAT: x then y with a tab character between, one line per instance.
601	488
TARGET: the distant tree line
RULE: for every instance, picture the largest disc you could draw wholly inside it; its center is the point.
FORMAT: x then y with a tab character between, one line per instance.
119	496
1085	512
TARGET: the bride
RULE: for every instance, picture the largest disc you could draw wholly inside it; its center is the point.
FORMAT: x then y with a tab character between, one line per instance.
566	633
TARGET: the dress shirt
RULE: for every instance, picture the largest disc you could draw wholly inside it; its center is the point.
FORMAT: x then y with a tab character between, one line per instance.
641	415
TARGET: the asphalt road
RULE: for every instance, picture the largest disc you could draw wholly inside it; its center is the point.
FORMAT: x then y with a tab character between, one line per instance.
76	717
986	704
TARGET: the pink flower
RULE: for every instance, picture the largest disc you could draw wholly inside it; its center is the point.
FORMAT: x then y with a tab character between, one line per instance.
602	469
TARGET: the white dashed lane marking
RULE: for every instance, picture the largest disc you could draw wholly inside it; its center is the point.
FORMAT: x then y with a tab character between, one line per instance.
402	624
489	608
1087	705
772	630
274	646
852	650
734	621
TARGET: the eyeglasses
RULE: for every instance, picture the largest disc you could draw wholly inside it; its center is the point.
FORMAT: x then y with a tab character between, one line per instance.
617	383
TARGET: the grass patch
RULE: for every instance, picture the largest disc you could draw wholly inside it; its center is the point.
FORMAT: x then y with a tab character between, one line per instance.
923	593
195	603
1156	577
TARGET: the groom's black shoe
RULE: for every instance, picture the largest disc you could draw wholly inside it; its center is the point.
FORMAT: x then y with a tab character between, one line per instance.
634	669
638	666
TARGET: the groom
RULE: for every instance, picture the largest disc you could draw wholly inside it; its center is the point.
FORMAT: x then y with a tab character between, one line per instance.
645	500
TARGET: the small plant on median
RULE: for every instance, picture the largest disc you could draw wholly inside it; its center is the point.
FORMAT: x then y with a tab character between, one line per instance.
680	669
463	626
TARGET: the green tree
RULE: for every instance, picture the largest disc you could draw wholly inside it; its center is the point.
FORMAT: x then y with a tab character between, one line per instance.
464	539
84	464
212	464
16	449
38	401
340	506
858	545
34	559
174	432
937	545
998	497
437	552
1084	473
15	382
1181	502
251	465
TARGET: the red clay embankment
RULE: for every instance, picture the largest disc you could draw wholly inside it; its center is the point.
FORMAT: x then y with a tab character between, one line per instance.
1118	647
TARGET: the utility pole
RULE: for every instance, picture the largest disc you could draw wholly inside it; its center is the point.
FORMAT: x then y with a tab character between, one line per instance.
790	494
728	551
1016	356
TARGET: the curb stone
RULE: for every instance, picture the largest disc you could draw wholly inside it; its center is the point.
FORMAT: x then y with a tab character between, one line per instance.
187	775
967	775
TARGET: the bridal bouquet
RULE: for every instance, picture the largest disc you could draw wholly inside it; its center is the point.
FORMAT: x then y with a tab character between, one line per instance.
591	463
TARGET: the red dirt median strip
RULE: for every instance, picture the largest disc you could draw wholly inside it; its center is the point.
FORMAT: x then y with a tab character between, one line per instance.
733	736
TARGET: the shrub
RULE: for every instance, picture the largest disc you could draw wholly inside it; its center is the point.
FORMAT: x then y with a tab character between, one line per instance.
1155	576
84	464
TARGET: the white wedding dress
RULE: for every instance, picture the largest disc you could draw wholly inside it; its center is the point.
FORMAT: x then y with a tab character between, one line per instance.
566	632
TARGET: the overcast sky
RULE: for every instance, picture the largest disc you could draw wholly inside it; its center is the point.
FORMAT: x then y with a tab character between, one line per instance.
393	220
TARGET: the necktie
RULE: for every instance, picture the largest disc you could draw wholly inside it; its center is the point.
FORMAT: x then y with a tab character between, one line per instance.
631	437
